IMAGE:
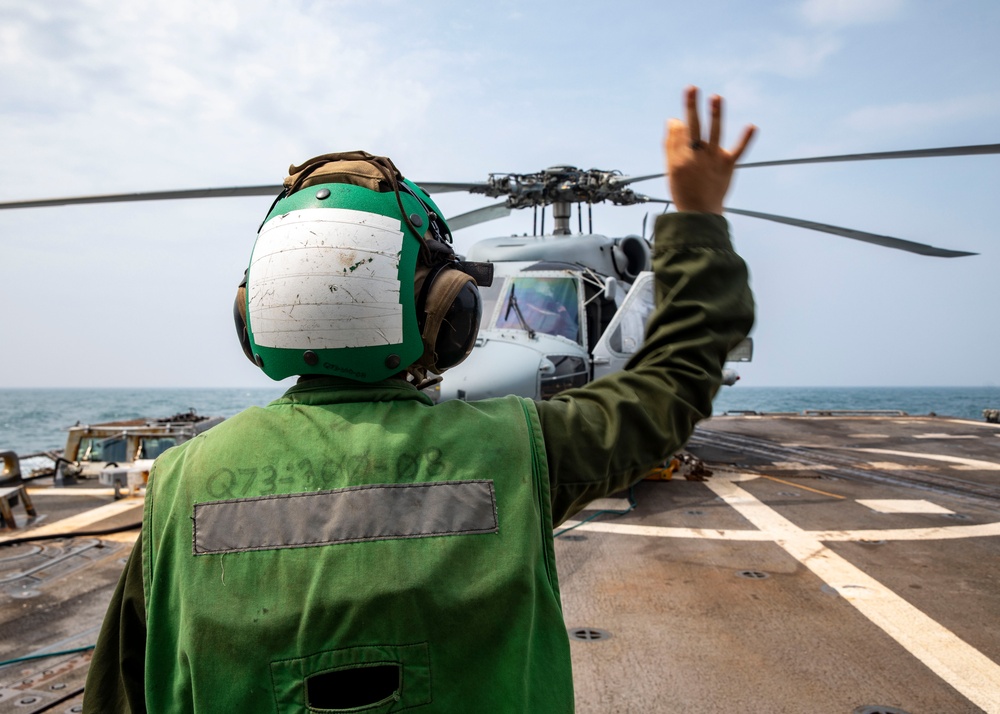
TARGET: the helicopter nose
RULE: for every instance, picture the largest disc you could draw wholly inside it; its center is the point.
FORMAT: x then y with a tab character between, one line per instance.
496	369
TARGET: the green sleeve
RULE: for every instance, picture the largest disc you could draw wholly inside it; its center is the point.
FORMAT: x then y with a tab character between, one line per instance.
116	679
606	435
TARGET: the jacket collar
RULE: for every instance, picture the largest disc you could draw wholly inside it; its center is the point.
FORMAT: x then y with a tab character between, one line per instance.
337	390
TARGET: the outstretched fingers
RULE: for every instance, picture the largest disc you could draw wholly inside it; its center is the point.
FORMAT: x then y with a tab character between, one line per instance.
699	172
715	126
715	130
744	142
694	126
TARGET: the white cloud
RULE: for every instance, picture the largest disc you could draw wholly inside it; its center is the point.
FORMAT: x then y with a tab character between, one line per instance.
760	57
842	13
915	117
186	88
792	56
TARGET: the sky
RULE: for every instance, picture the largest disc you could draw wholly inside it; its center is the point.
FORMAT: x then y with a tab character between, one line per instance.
111	97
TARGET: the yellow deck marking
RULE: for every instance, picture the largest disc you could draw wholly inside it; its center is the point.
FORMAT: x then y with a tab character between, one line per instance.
81	520
804	488
976	463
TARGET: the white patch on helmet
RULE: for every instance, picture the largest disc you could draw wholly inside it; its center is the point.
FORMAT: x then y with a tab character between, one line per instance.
326	278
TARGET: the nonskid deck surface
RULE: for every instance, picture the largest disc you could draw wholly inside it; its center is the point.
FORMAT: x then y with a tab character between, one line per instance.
54	593
829	564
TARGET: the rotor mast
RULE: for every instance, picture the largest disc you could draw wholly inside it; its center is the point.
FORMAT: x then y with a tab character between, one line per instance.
561	214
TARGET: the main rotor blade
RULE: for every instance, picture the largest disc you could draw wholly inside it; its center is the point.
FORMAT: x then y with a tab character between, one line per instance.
972	150
480	215
440	187
884	241
643	198
879	155
626	180
270	190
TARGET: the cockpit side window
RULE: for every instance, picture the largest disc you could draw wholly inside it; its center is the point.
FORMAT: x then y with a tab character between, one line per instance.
631	329
489	296
548	305
599	312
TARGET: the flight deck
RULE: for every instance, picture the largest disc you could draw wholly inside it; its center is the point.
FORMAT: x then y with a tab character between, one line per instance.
830	563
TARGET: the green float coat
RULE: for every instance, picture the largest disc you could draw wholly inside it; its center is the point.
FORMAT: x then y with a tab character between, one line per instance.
242	610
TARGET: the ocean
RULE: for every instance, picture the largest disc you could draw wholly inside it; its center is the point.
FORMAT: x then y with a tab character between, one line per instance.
960	402
34	420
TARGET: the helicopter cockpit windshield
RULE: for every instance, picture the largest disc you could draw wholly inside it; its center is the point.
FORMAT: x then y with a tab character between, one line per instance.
549	305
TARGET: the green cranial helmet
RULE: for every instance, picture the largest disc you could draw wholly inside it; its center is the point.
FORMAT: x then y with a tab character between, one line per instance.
352	275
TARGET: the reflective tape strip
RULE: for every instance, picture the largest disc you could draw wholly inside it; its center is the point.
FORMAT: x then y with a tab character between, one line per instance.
348	515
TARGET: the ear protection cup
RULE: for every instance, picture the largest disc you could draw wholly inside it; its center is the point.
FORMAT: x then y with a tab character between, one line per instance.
459	328
449	310
240	318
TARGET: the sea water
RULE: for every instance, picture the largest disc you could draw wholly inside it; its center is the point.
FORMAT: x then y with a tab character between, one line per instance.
35	420
960	402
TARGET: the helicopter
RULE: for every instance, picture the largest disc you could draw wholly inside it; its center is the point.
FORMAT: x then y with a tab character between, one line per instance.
568	307
573	307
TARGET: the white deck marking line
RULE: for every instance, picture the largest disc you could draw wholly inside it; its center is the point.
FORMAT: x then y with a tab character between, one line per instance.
951	658
666	532
959	664
982	530
975	463
608	504
902	505
973	421
78	521
62	492
891	466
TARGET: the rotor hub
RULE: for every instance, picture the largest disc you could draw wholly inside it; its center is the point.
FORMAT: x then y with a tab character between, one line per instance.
559	184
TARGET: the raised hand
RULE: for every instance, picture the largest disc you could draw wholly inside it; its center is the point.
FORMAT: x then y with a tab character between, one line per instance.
699	172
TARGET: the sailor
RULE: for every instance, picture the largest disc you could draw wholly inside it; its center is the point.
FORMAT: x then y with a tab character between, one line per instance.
353	546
